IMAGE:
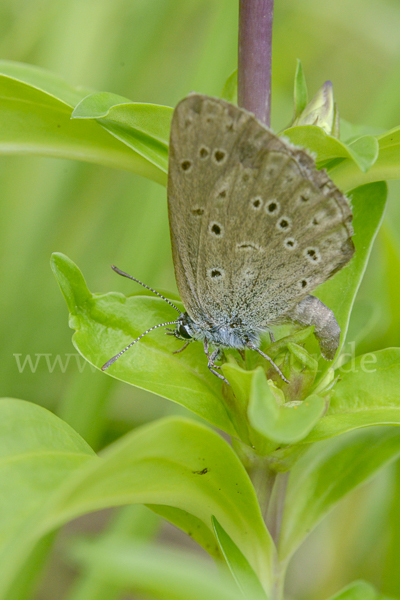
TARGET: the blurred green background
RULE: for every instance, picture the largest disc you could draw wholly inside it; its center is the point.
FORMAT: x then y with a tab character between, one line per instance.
158	51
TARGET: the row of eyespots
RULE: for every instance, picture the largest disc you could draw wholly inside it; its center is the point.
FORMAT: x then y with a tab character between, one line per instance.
219	156
217	273
311	254
273	207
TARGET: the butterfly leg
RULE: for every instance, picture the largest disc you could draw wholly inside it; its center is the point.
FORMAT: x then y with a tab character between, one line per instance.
271	337
311	311
211	358
185	345
269	359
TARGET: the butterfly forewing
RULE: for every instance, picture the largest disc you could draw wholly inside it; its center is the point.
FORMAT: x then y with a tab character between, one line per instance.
254	226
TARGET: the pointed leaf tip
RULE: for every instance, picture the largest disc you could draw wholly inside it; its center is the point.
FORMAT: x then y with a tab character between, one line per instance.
70	280
240	568
229	92
300	90
97	105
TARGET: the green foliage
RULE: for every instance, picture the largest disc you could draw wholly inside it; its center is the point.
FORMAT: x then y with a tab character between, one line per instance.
362	152
106	323
242	572
300	90
359	590
134	524
366	394
229	92
173	462
327	472
285	424
35	115
36	105
38	453
159	573
142	127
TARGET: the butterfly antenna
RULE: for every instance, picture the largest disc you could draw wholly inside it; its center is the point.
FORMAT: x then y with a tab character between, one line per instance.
144	285
116	357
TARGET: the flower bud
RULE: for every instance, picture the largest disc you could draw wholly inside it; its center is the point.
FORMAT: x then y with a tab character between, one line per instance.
321	111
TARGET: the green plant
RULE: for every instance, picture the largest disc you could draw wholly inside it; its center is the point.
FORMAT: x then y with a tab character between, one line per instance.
293	457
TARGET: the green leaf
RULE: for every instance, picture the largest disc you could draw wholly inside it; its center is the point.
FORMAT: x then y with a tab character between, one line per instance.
45	81
284	424
362	152
179	463
358	590
366	394
387	165
30	573
326	473
242	572
300	90
191	525
338	293
156	572
173	462
142	127
229	93
38	452
35	118
365	151
107	323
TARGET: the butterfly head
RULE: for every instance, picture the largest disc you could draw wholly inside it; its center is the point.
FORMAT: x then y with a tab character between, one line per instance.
185	327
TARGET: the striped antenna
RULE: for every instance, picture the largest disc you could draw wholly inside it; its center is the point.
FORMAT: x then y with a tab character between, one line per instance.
144	285
116	357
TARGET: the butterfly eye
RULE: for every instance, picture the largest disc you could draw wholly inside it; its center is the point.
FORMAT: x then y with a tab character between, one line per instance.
183	332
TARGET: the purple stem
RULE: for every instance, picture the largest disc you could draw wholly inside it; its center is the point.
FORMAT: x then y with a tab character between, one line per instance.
254	64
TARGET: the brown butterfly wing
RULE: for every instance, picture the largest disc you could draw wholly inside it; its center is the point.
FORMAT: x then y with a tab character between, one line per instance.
255	227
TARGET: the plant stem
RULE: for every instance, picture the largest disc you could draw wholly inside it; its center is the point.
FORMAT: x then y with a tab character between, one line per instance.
254	94
254	64
276	504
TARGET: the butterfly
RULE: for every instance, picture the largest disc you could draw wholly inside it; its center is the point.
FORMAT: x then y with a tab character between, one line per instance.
255	228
